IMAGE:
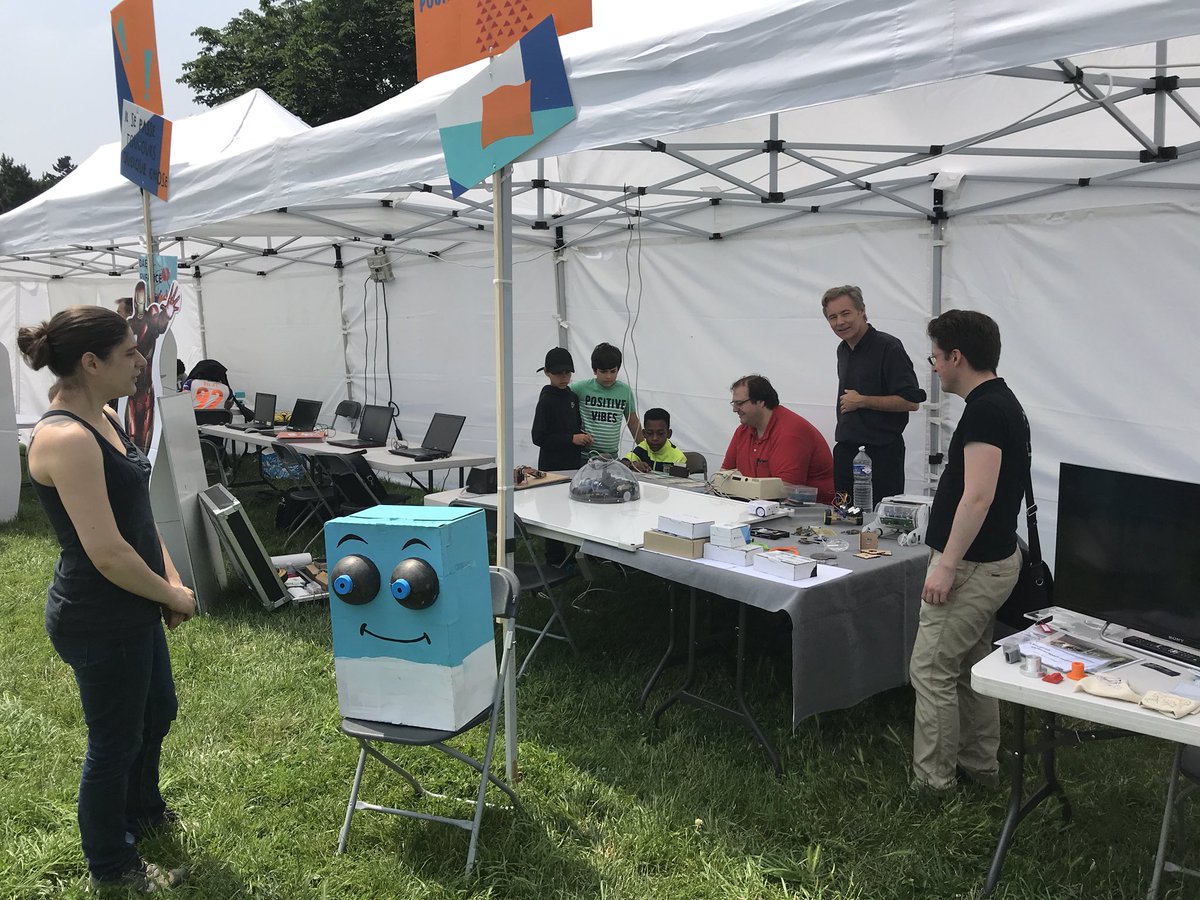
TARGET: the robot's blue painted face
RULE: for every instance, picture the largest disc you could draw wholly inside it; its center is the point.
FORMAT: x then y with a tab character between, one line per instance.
401	582
383	611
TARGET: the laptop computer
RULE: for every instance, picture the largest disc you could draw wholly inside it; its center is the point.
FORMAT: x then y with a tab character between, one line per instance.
264	415
304	415
439	439
372	429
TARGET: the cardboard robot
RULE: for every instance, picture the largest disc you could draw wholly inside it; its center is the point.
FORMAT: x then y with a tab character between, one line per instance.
410	602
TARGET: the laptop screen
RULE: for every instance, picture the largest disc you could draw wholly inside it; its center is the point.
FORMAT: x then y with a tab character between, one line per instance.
374	424
304	415
443	432
264	408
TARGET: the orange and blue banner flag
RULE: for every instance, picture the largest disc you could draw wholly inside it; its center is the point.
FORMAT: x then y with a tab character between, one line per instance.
452	33
521	99
135	55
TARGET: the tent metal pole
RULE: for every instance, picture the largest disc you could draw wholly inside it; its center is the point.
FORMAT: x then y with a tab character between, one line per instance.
933	410
341	289
560	285
200	312
1160	96
503	285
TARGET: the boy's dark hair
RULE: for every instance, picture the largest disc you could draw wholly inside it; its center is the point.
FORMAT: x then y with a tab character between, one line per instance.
657	414
758	388
975	335
606	356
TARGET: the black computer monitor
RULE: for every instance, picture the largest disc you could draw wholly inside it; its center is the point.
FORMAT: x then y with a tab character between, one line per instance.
304	415
375	422
1128	551
264	408
443	432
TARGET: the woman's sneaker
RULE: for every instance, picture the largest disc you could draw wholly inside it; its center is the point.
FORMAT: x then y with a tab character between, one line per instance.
147	879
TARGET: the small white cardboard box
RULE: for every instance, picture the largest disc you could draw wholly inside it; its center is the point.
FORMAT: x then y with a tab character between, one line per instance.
735	556
690	527
783	564
729	534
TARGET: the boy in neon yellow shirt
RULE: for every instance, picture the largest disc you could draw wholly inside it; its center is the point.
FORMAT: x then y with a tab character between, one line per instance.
655	452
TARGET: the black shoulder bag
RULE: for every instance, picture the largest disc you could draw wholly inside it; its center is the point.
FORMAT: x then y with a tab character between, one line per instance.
1035	585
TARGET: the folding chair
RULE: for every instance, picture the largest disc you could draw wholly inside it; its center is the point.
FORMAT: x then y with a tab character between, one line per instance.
347	409
539	577
317	500
356	484
214	446
1185	766
696	463
505	590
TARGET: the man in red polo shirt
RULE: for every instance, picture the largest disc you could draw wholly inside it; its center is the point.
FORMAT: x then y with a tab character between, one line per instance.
773	441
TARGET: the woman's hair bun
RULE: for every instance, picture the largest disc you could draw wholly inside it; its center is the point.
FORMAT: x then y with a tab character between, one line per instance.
34	343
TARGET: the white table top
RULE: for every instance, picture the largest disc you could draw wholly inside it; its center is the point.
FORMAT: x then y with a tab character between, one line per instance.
377	457
993	677
620	525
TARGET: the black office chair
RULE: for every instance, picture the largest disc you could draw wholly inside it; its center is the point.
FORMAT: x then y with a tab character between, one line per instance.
347	409
1185	778
317	500
696	463
505	589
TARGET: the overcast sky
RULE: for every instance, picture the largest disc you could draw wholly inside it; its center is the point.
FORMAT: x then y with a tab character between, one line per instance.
58	94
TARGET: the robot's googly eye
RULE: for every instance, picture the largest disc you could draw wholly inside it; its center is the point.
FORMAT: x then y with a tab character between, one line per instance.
414	584
354	580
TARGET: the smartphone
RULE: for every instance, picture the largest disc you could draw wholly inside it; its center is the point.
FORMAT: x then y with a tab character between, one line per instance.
770	534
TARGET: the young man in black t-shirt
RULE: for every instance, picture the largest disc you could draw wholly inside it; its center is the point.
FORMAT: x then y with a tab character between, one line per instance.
975	562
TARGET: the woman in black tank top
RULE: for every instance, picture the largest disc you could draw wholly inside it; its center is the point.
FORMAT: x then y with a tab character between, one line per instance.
114	586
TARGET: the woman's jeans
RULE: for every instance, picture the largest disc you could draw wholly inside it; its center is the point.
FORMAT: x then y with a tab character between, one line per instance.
129	702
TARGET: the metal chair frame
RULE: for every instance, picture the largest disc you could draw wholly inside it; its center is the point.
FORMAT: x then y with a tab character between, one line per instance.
505	591
314	495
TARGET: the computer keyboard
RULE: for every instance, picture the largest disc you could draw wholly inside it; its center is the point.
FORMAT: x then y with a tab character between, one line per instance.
1183	656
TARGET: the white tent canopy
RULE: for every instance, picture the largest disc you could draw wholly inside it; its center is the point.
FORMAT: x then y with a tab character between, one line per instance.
725	168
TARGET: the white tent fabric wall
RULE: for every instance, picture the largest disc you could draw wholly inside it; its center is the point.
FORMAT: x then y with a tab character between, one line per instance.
711	311
442	334
280	335
24	303
1098	346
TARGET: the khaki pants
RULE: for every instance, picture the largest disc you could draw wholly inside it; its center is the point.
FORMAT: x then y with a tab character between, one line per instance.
952	724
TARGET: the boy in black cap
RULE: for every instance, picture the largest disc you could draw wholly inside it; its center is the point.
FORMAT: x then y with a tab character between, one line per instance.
558	428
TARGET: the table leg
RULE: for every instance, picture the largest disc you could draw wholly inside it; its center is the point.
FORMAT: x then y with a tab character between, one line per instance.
742	715
667	656
1161	858
1018	810
682	691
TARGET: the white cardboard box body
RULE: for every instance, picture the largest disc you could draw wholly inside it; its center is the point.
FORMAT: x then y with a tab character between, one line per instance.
689	527
783	564
735	556
729	534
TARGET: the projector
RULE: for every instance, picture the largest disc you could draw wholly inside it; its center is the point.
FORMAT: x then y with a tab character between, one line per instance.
734	484
907	514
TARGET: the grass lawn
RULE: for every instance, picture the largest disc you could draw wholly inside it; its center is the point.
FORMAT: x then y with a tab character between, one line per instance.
615	808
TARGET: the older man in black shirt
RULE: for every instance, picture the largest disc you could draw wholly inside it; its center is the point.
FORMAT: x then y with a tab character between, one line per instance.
974	561
877	389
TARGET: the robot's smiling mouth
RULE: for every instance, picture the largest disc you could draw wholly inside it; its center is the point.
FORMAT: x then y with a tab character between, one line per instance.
363	629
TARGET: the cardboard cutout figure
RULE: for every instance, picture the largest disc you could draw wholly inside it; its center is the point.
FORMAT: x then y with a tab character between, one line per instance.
410	603
149	321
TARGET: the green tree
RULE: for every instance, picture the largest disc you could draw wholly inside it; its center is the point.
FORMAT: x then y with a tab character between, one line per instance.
321	59
18	186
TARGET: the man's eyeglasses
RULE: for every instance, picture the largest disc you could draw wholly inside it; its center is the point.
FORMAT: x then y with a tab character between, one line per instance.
932	360
738	404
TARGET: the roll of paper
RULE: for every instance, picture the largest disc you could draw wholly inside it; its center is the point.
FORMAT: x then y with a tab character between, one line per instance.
291	561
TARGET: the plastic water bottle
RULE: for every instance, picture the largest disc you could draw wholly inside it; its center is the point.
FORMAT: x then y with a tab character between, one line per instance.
862	482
